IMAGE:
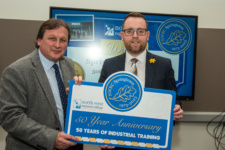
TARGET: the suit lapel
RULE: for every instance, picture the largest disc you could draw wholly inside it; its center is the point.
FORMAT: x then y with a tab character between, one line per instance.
43	80
149	70
121	62
65	70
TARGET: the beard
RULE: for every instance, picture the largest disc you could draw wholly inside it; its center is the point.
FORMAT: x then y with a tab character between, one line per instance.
135	49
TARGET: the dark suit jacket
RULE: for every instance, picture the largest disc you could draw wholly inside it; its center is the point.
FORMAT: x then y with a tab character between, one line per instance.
158	75
27	107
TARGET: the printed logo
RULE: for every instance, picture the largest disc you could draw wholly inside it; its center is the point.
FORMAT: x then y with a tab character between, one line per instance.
174	36
77	104
122	91
109	30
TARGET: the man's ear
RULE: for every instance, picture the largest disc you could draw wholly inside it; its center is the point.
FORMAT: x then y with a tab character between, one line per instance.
148	35
38	41
121	35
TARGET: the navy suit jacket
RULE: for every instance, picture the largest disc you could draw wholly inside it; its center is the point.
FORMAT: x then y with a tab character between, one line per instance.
158	75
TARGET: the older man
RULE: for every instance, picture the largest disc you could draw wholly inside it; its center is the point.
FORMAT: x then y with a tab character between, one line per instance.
32	93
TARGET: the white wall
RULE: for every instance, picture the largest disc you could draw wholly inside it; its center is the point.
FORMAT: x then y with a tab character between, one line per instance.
211	12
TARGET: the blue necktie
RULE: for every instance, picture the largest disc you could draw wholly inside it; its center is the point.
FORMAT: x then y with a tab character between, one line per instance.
62	90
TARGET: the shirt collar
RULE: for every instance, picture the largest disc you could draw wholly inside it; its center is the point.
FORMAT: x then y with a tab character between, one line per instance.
141	58
47	64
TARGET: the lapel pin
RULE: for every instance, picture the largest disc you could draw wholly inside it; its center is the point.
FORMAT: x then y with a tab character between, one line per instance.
152	60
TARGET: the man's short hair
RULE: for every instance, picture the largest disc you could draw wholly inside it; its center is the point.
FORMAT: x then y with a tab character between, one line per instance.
135	14
49	25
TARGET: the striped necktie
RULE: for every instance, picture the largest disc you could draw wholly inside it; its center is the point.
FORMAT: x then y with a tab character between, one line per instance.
62	90
133	66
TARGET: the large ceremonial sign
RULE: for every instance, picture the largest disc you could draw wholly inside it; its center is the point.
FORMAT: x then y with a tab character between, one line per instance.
121	113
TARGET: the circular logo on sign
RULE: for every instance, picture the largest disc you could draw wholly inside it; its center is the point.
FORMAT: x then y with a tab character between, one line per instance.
122	91
79	70
174	36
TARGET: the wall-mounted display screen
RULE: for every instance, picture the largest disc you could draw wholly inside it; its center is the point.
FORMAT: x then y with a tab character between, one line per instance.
95	36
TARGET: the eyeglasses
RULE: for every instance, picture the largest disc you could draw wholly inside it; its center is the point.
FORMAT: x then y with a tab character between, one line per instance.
130	32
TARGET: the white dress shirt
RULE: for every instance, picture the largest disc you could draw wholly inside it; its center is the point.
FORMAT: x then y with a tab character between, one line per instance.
141	63
50	72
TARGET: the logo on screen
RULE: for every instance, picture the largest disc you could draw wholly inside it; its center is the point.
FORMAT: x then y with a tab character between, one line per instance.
109	30
122	91
174	36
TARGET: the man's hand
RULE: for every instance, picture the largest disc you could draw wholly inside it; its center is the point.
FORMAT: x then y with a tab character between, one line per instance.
178	112
62	141
78	81
106	147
